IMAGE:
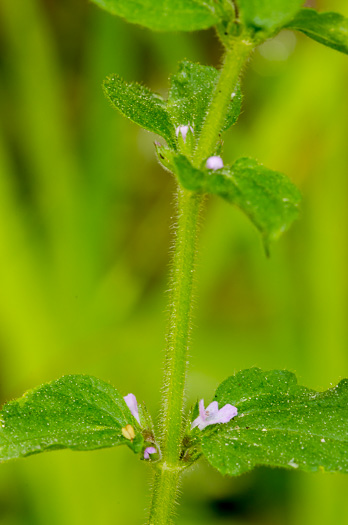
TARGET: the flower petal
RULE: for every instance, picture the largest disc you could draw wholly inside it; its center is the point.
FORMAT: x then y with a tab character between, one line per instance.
197	423
212	410
148	451
132	404
183	130
202	413
200	423
226	413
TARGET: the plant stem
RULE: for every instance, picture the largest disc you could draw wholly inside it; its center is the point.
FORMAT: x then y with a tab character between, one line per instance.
235	58
179	323
167	475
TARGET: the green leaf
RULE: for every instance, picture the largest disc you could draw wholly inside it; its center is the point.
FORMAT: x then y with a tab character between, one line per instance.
190	94
141	106
191	178
164	15
76	412
279	424
189	98
268	15
267	197
330	29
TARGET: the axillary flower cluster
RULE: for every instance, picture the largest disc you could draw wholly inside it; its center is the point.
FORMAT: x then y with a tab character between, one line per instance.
213	163
128	431
211	415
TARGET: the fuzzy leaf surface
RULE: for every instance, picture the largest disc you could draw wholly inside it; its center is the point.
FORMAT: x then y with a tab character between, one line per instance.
76	412
268	15
330	29
279	424
191	92
267	197
141	106
166	15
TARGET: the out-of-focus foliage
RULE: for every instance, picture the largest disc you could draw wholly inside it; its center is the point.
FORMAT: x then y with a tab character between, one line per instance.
269	15
85	211
330	29
176	15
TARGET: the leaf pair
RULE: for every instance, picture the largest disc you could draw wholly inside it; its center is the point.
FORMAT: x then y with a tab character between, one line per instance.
260	18
188	101
189	15
267	197
279	424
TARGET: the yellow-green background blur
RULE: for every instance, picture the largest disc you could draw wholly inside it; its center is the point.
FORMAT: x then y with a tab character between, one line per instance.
85	214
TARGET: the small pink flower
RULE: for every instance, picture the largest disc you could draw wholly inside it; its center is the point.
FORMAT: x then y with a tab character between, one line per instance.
131	402
148	451
212	415
214	163
183	130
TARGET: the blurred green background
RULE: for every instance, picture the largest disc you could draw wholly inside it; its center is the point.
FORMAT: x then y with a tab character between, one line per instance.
85	214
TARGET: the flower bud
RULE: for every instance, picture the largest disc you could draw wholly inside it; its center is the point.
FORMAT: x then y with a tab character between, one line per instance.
183	130
214	163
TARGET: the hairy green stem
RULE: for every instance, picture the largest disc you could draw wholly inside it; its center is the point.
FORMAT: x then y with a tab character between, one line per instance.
167	475
164	496
179	324
234	61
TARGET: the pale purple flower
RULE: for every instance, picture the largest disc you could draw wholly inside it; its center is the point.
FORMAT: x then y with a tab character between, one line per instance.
214	163
131	402
183	130
212	415
148	451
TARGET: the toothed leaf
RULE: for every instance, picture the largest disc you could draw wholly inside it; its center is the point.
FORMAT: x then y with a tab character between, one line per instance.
76	412
279	424
141	106
267	197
